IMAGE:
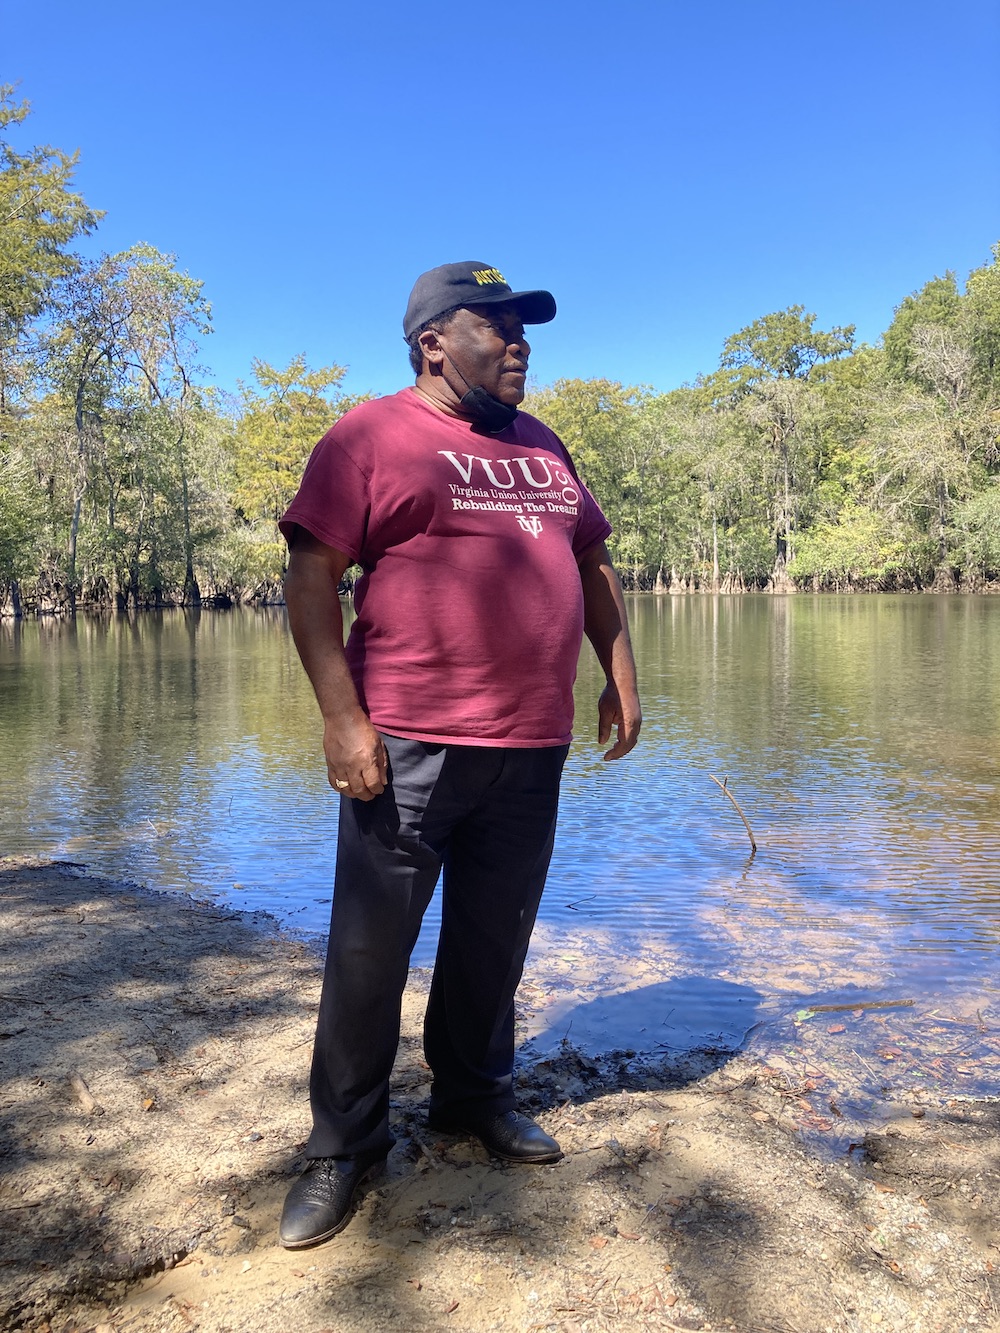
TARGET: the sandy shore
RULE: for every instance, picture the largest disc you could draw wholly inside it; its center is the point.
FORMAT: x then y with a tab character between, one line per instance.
154	1055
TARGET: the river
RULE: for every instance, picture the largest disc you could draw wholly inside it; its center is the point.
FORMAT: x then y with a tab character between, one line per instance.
860	736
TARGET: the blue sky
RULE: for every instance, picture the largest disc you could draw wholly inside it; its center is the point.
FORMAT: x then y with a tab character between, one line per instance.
669	171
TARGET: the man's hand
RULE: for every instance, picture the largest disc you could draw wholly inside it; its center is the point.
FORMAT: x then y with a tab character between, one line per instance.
627	717
356	760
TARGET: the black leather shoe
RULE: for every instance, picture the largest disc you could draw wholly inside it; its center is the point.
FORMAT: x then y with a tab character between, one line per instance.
319	1204
506	1134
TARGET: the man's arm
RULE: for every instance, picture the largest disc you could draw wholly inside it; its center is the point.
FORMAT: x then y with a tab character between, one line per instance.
354	750
606	626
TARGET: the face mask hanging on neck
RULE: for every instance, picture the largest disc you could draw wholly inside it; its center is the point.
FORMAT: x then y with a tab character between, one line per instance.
488	411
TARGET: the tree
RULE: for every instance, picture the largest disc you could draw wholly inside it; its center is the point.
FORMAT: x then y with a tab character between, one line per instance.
938	302
863	546
83	365
120	362
166	313
764	376
922	464
20	520
278	426
977	525
981	323
39	216
782	345
599	422
733	499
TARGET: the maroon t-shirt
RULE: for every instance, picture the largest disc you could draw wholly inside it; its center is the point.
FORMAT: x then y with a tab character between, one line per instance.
470	608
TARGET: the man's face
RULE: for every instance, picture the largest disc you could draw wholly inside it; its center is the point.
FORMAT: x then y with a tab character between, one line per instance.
487	344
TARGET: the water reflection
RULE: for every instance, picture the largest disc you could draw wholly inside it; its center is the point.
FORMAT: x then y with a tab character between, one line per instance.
859	734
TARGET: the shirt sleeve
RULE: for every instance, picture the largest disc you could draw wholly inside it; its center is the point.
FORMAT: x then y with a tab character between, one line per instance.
592	526
333	500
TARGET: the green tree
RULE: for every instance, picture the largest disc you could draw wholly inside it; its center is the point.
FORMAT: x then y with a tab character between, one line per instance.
981	323
21	517
83	366
40	215
280	422
767	376
167	313
599	421
782	345
922	465
115	431
938	302
732	529
863	546
977	527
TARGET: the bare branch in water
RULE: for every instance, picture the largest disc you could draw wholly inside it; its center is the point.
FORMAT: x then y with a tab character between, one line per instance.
724	787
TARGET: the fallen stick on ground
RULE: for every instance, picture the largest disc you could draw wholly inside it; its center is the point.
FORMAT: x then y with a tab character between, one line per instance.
79	1085
860	1004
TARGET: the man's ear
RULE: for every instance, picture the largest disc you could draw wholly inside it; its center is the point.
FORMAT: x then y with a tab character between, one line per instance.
432	350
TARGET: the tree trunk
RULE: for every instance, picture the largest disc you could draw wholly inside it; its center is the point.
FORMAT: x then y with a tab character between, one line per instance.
74	532
944	575
192	592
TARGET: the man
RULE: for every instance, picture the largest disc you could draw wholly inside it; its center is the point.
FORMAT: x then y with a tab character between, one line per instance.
446	721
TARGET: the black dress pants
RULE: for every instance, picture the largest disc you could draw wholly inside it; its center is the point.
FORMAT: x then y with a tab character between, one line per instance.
487	818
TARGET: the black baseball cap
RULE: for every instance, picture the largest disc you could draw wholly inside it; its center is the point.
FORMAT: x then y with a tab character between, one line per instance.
470	283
